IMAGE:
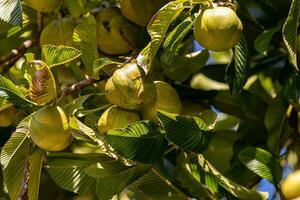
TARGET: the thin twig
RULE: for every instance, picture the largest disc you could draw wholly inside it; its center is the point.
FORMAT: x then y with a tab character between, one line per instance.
10	58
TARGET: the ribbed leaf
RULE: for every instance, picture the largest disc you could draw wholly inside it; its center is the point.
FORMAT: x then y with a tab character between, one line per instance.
141	141
75	7
9	90
232	187
276	123
291	89
4	102
262	163
82	131
104	65
262	42
154	185
114	183
42	88
189	133
35	163
236	71
13	159
84	36
189	177
160	22
175	38
59	55
68	173
290	32
11	11
178	69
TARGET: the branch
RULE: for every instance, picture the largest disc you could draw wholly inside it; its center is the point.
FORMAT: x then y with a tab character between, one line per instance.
7	60
76	87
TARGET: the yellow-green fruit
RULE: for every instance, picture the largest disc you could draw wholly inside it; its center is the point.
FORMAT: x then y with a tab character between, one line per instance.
167	98
291	185
49	129
43	5
140	11
129	88
7	116
58	32
218	29
115	35
115	117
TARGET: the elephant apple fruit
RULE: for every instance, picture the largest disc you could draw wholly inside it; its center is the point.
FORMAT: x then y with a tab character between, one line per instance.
115	117
49	129
7	116
218	28
291	185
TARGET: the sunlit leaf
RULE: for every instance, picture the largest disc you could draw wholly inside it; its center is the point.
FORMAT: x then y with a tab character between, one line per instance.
11	11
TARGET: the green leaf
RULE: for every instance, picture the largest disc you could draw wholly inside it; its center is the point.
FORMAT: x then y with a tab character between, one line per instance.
59	55
189	133
13	159
82	129
262	42
178	70
236	71
291	89
114	183
289	32
159	24
141	141
35	162
84	36
276	123
104	65
76	8
11	11
175	38
42	88
262	163
189	178
9	90
232	187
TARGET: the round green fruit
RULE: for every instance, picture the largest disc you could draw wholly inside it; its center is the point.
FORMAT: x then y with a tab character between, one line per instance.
218	29
115	117
140	11
167	98
129	88
49	129
291	185
115	35
58	32
43	5
7	116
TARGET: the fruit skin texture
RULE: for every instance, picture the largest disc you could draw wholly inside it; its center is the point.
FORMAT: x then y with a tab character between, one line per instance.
167	98
291	185
7	116
218	29
49	129
129	88
115	117
43	5
58	32
140	11
114	33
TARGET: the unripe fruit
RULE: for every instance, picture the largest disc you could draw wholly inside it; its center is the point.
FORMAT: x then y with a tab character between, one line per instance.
58	32
115	117
140	11
218	29
43	5
129	88
7	116
49	129
167	98
291	185
115	34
